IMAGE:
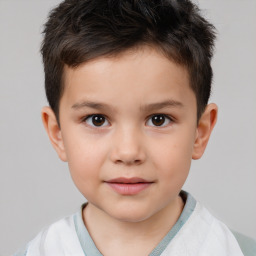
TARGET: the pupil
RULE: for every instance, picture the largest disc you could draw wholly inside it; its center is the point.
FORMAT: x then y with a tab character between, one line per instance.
158	120
98	120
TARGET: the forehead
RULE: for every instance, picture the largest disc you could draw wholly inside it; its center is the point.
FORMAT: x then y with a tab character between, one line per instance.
143	74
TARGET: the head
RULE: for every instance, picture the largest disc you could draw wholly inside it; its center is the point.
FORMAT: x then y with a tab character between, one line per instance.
128	84
78	31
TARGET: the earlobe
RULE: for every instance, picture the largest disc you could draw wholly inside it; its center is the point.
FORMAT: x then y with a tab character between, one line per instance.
53	130
204	129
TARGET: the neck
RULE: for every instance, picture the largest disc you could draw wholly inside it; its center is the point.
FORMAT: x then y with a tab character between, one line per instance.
125	235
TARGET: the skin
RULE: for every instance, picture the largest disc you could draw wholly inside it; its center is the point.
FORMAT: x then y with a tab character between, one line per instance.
129	143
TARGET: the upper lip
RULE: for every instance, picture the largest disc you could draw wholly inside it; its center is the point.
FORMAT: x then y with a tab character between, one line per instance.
128	180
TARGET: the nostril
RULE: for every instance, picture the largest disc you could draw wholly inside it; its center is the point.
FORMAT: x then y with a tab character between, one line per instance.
129	162
127	153
137	161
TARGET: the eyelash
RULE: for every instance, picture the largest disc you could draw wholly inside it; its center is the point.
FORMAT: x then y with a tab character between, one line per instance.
166	117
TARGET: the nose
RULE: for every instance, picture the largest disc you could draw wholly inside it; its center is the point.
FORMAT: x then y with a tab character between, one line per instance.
127	147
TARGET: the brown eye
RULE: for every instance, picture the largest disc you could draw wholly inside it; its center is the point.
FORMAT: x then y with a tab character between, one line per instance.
159	120
96	120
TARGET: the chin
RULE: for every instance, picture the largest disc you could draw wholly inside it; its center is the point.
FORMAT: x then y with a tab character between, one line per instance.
130	215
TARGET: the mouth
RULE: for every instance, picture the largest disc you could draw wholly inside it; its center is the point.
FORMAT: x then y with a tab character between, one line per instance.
129	186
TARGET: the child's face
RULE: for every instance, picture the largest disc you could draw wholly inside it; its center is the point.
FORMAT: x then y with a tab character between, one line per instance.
129	119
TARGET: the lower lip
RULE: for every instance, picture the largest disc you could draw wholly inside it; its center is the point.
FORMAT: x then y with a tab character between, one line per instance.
129	188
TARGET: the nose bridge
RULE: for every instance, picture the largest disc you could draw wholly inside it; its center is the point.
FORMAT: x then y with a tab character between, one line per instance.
127	145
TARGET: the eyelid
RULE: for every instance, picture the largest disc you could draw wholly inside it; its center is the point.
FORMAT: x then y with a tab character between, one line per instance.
85	118
171	119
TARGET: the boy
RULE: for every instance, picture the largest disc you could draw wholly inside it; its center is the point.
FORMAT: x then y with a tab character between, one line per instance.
128	84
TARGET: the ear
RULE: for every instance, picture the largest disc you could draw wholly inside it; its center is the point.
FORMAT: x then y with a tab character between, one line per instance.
204	129
54	132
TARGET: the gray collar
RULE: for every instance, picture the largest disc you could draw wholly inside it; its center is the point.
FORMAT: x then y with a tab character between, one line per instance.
90	249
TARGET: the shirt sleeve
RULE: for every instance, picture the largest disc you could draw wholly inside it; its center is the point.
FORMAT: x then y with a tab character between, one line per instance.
247	244
22	252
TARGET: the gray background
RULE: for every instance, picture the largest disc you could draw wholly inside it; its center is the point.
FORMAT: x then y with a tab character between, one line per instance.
35	186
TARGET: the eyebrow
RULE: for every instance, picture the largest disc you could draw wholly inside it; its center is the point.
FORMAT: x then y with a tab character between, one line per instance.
90	104
160	105
147	108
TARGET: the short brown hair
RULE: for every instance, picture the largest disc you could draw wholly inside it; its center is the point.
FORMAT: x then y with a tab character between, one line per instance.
81	30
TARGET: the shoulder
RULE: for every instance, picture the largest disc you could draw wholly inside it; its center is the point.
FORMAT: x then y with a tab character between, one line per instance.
207	234
54	239
202	234
22	252
220	233
247	244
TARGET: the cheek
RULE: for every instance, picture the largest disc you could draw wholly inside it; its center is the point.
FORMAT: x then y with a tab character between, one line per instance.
84	159
84	170
82	150
174	157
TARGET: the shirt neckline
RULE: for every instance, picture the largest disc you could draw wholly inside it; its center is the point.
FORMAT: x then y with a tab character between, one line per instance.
90	249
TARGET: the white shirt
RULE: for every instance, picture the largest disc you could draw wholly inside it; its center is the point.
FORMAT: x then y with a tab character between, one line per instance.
196	233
